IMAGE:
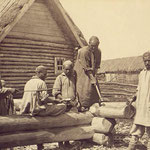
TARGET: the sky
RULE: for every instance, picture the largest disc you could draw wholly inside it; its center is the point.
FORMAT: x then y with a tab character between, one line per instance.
123	26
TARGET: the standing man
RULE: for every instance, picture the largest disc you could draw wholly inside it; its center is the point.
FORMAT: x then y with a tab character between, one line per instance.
64	89
87	63
142	118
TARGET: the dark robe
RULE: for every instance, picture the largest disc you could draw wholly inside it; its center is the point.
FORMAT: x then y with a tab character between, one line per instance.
87	63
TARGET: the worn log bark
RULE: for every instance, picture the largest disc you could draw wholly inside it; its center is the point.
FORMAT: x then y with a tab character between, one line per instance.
46	136
124	112
24	123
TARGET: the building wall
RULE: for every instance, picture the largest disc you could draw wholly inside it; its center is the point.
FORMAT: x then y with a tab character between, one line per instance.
35	40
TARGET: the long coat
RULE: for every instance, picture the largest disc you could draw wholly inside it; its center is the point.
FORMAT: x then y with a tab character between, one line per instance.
142	116
87	62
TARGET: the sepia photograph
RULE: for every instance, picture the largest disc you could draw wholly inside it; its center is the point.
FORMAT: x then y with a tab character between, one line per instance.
74	75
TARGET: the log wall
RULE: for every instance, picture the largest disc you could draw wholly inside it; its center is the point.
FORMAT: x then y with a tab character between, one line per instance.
35	40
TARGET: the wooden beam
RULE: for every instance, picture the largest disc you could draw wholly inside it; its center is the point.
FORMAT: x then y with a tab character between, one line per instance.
46	136
13	23
26	123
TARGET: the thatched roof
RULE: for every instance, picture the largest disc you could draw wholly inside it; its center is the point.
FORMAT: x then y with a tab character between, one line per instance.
11	12
122	65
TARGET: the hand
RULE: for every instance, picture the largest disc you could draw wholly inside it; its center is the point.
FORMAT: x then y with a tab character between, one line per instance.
93	81
12	90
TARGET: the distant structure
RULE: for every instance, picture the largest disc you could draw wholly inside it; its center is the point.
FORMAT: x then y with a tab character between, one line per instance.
121	70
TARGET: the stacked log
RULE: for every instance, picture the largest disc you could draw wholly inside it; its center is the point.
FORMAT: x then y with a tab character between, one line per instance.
26	130
113	110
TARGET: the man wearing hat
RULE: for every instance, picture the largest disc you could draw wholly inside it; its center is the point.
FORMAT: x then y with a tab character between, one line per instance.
87	63
142	118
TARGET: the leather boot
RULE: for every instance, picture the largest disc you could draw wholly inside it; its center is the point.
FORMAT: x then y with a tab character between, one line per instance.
133	142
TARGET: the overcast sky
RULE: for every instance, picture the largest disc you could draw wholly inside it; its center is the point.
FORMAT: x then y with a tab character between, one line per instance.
123	26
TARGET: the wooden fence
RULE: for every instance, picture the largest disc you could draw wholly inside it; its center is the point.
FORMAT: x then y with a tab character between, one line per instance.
117	92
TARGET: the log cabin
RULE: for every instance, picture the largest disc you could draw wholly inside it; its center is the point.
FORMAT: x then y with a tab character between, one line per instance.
32	33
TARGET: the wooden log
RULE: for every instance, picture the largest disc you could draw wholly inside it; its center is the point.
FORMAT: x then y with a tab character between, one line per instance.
24	123
124	112
36	52
102	125
102	139
29	36
36	47
35	43
46	136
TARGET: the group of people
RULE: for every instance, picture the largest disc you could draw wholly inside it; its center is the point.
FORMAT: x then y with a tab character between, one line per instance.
74	90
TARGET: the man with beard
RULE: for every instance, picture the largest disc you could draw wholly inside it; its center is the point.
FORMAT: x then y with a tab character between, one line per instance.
87	63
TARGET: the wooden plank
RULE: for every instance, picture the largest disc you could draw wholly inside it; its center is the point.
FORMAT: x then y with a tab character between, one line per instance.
116	83
9	78
37	37
36	57
21	63
117	90
26	123
35	43
23	67
34	47
38	23
38	30
12	24
47	136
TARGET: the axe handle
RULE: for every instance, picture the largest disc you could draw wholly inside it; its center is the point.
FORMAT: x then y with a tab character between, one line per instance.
99	94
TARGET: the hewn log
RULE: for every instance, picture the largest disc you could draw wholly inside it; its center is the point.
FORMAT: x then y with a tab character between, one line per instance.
46	136
28	52
39	30
24	42
29	36
26	60
124	112
101	139
102	125
24	123
26	63
24	47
